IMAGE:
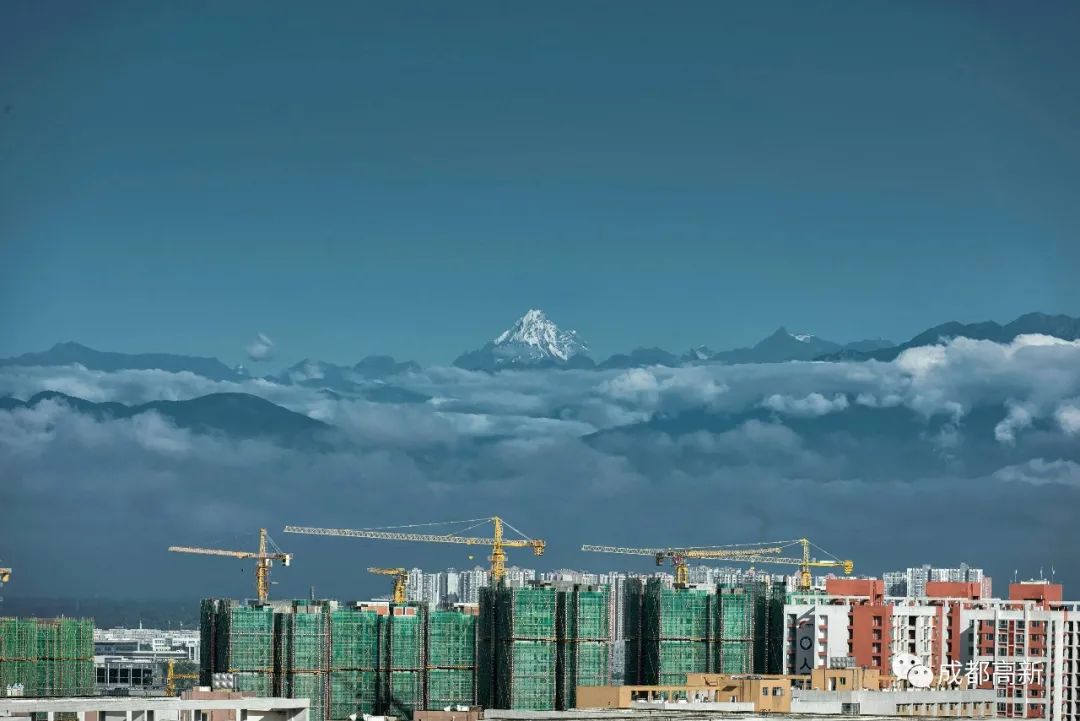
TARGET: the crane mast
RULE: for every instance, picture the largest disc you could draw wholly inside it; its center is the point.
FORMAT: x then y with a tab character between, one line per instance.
401	580
497	541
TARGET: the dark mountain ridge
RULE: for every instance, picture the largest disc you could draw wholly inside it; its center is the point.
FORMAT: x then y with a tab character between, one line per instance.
1059	326
70	353
239	415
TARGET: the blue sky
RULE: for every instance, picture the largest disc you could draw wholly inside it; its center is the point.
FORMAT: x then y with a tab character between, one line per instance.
408	178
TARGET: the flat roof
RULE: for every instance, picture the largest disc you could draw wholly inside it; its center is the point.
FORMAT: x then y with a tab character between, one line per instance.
21	706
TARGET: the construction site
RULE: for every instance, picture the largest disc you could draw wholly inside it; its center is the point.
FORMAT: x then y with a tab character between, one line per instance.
521	648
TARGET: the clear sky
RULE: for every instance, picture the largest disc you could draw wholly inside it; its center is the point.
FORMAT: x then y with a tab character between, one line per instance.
409	177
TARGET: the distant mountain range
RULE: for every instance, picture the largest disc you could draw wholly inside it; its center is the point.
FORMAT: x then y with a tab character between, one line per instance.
1059	326
366	378
783	346
239	415
534	341
65	354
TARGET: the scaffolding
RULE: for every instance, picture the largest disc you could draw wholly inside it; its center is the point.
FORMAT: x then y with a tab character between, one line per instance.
516	653
246	642
485	648
353	693
354	663
733	641
47	657
671	632
582	630
208	644
674	632
404	652
769	628
303	642
450	668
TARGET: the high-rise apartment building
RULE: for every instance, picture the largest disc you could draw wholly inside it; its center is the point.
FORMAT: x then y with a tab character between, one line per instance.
471	582
912	581
1026	647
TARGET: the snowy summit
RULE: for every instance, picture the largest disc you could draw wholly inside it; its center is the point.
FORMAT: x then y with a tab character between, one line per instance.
542	337
533	341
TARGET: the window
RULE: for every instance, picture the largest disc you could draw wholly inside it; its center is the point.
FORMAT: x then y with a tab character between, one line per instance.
778	691
101	674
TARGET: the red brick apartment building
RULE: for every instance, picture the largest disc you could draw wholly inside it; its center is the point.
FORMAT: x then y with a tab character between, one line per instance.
1026	647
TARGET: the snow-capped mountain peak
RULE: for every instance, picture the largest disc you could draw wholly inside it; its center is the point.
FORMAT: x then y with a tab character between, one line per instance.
533	341
536	331
803	337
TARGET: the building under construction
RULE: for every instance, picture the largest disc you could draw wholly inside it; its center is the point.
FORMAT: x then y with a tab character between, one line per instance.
537	644
672	632
528	648
46	657
346	658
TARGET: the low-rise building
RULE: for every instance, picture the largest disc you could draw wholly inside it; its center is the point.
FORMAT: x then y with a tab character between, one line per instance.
203	705
849	692
967	703
134	661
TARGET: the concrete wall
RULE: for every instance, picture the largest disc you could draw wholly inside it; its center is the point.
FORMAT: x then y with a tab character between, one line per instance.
158	709
886	703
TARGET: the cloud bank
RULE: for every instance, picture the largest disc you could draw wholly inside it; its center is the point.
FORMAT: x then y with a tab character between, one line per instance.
872	460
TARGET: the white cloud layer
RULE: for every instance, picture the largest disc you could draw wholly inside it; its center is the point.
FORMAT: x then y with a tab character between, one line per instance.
260	349
732	453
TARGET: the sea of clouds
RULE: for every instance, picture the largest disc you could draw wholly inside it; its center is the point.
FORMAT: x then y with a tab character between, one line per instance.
967	451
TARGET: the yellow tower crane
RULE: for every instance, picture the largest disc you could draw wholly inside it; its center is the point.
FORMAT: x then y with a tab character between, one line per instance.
401	580
496	541
750	553
263	560
679	556
171	677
